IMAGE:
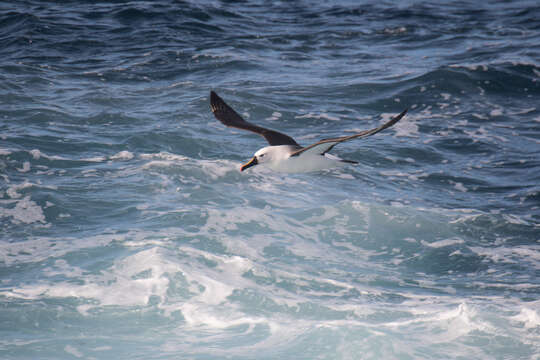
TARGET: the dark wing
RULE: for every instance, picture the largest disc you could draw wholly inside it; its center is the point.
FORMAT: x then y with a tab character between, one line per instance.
229	117
326	145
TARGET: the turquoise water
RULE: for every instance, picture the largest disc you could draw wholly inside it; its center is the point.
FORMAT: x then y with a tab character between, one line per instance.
128	231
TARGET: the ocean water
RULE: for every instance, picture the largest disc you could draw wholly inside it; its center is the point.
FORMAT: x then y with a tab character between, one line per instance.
128	231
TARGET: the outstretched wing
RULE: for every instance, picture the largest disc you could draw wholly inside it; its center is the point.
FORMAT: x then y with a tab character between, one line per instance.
326	145
230	118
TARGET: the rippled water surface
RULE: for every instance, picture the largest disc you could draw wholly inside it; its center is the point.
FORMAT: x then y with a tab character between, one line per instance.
128	231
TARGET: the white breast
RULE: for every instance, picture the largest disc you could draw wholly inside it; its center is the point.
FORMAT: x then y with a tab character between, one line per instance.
305	162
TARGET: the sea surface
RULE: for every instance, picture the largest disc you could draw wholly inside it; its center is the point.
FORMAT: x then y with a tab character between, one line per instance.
127	230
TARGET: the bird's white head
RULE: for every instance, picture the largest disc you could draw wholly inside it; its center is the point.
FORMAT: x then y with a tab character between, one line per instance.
264	155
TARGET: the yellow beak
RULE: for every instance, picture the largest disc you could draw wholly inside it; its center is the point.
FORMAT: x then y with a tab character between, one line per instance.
249	164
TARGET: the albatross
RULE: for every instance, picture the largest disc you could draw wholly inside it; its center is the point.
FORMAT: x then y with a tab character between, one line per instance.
283	153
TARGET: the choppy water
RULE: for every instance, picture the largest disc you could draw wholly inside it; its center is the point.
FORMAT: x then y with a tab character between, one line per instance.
128	232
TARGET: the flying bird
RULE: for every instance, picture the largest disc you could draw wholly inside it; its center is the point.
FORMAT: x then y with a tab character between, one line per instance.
284	154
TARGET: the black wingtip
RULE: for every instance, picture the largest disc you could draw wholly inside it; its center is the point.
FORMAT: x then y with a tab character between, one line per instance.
397	118
214	101
402	114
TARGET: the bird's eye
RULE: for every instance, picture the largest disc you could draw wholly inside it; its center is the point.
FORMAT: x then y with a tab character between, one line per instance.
261	155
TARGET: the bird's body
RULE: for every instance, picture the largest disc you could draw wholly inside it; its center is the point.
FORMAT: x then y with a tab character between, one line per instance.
279	158
284	154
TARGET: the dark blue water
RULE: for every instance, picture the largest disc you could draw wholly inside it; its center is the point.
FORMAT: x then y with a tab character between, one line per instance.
128	231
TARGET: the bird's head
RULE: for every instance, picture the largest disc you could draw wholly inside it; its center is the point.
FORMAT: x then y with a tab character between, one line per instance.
262	156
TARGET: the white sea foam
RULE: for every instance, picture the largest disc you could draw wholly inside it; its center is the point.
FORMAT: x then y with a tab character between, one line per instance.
482	133
25	211
37	154
36	249
218	168
276	115
511	255
62	268
89	173
122	155
344	176
25	168
472	67
395	30
396	173
496	112
480	116
13	190
121	286
405	127
164	160
515	219
73	351
136	279
459	186
443	243
323	116
530	318
180	84
164	156
212	292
